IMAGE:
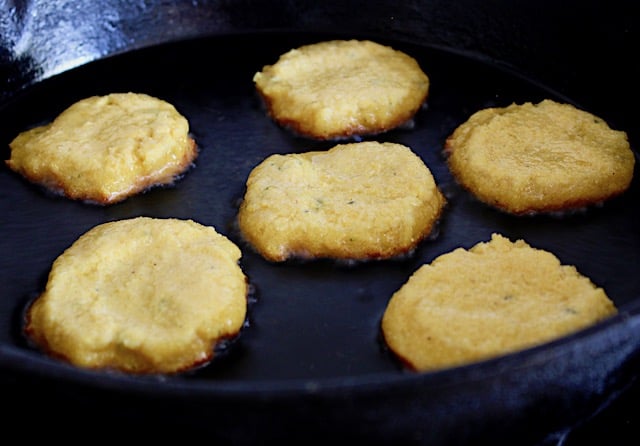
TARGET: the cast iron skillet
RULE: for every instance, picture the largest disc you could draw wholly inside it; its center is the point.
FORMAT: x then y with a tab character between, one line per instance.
310	364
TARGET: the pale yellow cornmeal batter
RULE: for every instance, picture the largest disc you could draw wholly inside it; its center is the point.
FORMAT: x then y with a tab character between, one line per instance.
356	201
103	149
495	298
342	88
545	157
142	295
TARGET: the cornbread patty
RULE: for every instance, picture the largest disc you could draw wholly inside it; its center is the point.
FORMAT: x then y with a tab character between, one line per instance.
342	88
103	149
544	157
355	201
142	295
495	298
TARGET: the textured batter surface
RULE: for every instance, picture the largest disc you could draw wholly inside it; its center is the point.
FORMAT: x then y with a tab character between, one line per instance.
142	295
544	157
103	149
342	88
495	298
355	201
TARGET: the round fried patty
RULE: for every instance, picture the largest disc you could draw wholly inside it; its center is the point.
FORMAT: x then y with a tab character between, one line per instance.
142	295
545	157
342	88
103	149
493	299
366	200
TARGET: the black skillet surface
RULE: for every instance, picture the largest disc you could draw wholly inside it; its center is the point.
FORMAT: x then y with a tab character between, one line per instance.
311	351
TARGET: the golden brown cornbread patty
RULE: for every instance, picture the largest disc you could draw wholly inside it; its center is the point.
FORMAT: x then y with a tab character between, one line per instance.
342	88
103	149
495	298
142	295
544	157
355	201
